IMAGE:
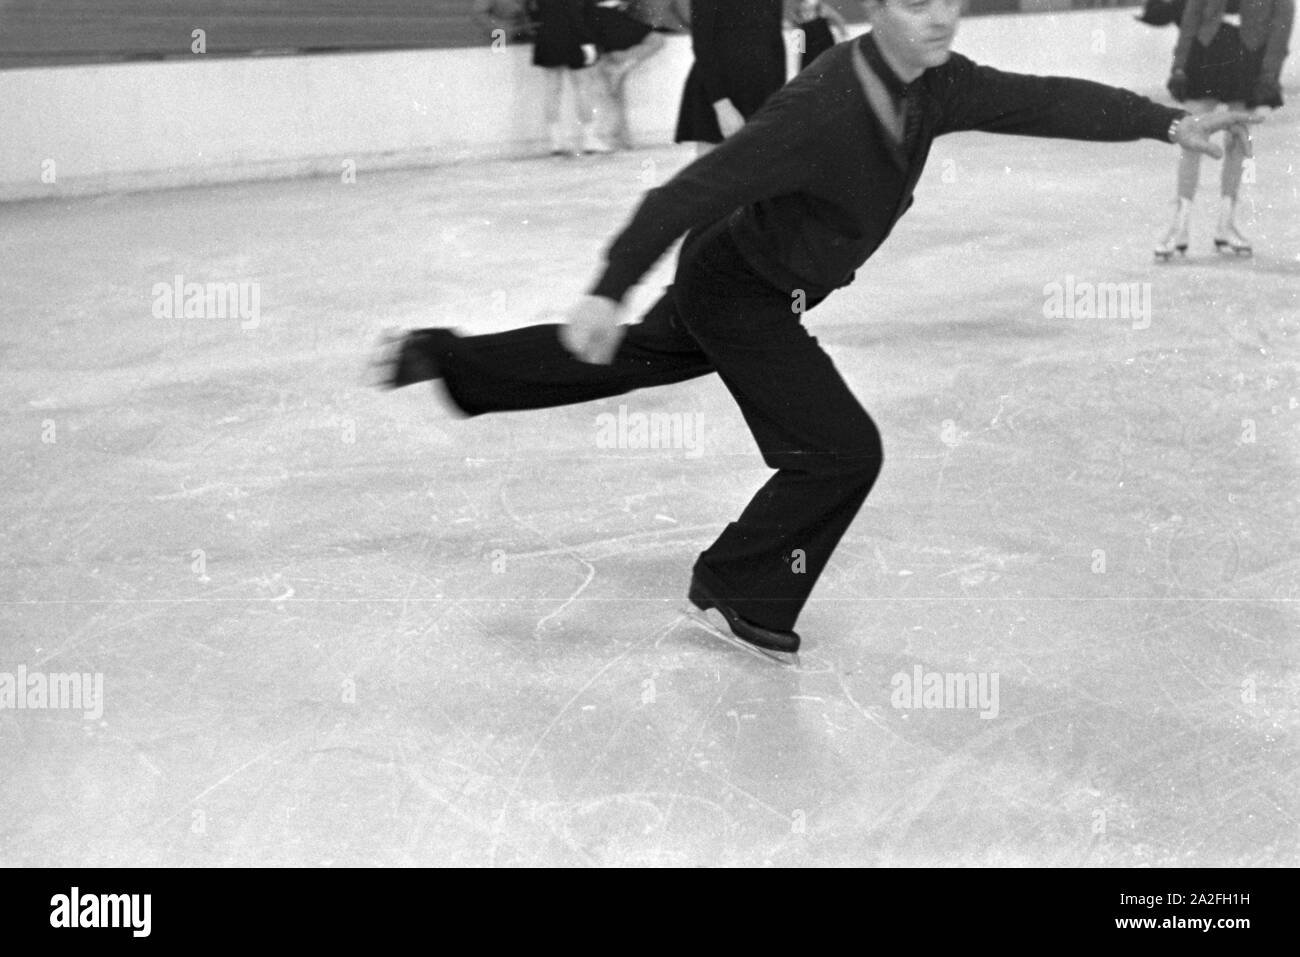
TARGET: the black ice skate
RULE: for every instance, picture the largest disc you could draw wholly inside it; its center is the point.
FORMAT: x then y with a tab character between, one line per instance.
770	643
407	359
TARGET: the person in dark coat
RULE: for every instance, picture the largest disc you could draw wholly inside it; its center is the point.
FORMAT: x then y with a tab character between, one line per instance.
565	48
624	43
776	219
739	62
1229	52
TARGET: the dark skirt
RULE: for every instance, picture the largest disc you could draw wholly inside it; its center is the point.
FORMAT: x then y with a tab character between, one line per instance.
557	42
1224	70
616	31
558	54
698	123
748	60
1162	13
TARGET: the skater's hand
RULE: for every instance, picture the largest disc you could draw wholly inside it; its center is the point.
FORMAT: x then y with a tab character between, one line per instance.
1177	85
592	332
729	119
1194	132
589	54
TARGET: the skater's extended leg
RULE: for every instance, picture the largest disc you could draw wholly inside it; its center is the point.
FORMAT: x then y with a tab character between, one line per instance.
529	368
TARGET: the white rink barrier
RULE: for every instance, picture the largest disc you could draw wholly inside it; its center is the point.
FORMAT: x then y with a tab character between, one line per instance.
76	130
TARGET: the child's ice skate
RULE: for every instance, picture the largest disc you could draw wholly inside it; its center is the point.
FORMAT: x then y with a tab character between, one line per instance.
1226	238
560	145
1176	239
778	646
593	142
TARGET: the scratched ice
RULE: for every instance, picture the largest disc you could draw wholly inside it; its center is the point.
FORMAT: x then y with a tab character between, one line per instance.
343	626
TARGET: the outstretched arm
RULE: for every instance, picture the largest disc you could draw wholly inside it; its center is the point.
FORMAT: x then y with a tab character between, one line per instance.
778	152
982	98
1194	132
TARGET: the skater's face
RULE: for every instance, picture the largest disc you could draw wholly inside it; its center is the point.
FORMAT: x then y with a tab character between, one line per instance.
914	35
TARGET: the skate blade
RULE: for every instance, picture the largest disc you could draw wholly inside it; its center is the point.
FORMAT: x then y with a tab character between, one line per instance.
701	620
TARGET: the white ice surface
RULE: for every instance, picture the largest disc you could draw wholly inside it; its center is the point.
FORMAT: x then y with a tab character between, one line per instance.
413	639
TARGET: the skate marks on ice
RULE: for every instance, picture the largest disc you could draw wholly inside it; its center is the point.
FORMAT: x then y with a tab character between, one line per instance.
1122	700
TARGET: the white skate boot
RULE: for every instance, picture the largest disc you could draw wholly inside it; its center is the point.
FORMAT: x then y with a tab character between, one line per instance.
1226	238
1175	240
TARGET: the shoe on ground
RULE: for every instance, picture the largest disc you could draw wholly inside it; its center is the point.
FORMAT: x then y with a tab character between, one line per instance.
769	638
1233	243
1176	240
592	142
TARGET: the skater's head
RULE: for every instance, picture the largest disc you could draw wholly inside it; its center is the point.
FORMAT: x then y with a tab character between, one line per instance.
913	35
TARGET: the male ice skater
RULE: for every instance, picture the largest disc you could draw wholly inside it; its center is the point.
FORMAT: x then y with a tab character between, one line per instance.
776	218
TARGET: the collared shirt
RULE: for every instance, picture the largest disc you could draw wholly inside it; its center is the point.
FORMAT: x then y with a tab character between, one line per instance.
880	66
902	116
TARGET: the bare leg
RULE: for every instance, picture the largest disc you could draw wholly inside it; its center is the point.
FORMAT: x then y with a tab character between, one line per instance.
1189	162
613	70
1189	171
1226	236
553	89
1233	157
617	66
635	56
590	102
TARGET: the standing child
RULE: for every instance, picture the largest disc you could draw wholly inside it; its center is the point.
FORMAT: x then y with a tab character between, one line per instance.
1229	52
624	43
739	62
565	48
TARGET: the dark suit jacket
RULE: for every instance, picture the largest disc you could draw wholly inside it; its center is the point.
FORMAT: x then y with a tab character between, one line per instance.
814	182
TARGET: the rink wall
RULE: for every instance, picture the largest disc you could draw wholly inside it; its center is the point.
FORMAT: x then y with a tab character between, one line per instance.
70	130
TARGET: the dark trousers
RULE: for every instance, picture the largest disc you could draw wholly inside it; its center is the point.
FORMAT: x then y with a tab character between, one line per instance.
717	317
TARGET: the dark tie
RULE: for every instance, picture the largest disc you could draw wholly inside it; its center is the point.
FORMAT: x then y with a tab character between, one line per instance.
911	118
